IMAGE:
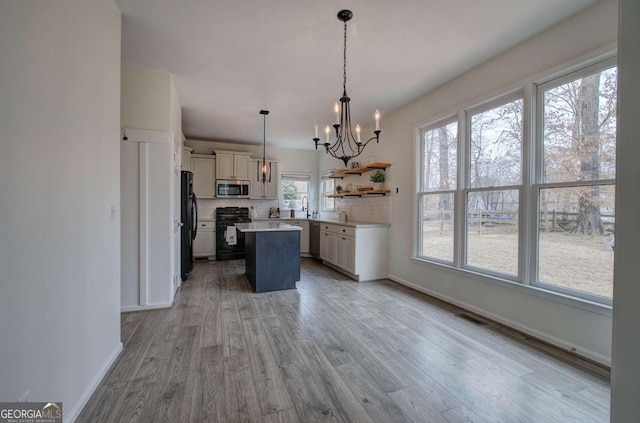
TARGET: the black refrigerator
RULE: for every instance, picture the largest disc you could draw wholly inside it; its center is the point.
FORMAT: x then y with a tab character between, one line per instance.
189	219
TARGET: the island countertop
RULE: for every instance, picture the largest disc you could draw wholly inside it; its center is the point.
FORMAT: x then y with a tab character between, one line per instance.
262	226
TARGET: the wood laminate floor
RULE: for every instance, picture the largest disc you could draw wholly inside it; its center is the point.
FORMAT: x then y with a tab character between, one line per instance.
333	350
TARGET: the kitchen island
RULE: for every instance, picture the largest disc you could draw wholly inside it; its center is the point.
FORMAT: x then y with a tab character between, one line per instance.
272	253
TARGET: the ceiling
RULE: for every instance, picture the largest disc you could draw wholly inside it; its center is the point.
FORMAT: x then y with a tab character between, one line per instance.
232	58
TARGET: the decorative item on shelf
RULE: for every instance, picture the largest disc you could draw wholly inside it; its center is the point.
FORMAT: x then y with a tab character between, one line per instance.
338	188
377	178
355	165
346	146
264	169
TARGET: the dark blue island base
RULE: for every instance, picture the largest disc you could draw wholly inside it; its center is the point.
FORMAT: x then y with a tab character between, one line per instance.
272	260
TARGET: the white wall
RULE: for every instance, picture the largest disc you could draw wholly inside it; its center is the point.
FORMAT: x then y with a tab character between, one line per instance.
289	160
568	326
59	178
625	389
150	174
146	99
130	224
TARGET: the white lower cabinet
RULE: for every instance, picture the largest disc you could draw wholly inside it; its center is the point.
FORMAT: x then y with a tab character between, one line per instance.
361	252
328	247
205	243
304	235
346	253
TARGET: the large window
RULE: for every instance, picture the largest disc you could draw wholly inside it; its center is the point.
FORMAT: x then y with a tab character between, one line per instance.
438	184
494	174
294	188
576	189
526	192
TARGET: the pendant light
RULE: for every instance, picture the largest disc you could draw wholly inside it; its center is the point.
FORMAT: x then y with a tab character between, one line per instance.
264	168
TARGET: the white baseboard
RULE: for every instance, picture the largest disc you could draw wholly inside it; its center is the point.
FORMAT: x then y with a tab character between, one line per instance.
575	349
340	270
126	309
75	411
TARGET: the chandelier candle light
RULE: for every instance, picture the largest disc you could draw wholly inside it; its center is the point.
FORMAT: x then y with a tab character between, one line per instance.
264	169
346	146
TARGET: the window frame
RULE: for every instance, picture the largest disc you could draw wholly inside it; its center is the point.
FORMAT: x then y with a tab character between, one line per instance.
424	191
530	91
538	183
509	97
304	177
323	193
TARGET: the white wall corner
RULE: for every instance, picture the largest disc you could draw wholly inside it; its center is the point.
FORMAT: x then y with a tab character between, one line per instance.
72	415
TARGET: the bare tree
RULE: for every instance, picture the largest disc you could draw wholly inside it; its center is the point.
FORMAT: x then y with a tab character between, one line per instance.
589	220
443	164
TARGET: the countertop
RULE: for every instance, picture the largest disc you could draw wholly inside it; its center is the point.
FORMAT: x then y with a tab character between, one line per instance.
262	226
352	223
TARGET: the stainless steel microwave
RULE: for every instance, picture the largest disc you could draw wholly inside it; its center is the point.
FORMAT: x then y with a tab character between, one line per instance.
232	188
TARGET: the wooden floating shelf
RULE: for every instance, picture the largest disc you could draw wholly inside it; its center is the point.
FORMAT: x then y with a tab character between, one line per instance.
360	170
360	193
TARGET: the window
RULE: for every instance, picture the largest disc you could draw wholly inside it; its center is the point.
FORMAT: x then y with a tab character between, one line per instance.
439	180
294	188
494	175
576	190
525	193
327	186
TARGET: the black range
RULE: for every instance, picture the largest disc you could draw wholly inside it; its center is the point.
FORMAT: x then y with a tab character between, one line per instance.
226	247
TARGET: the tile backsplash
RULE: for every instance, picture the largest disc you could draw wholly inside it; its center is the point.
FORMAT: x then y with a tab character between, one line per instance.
207	207
365	209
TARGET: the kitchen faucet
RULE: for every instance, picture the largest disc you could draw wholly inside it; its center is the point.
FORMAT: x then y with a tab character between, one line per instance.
307	208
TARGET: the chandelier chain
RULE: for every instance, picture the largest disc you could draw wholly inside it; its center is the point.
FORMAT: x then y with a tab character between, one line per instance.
344	67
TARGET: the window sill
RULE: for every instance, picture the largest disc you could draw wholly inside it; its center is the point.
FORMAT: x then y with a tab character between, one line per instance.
603	309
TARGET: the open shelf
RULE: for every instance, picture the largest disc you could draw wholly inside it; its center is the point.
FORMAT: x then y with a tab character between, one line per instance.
360	170
360	193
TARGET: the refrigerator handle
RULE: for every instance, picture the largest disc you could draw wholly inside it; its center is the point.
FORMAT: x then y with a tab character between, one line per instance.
195	220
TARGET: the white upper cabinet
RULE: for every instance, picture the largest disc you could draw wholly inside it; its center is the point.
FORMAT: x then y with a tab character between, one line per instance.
232	165
204	170
241	166
224	168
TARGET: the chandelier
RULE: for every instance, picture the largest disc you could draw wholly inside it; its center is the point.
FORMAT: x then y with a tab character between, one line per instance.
264	173
347	146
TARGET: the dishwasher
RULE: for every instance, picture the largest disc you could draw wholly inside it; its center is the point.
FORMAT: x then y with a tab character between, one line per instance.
314	241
